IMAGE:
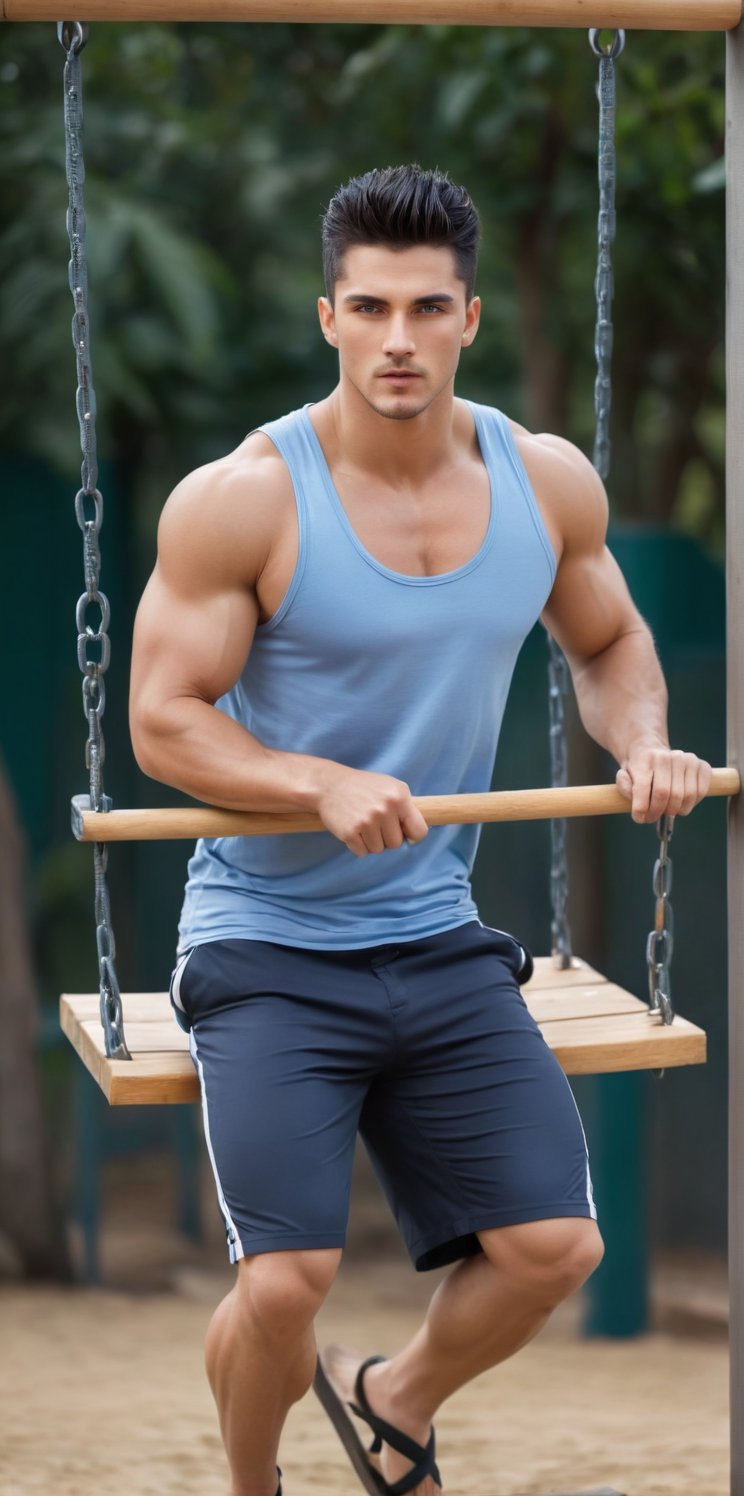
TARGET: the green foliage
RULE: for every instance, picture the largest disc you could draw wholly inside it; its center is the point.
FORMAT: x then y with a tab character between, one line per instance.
210	155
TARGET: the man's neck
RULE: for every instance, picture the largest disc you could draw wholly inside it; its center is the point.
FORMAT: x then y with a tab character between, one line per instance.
400	453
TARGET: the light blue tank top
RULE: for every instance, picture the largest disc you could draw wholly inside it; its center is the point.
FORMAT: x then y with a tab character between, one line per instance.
402	675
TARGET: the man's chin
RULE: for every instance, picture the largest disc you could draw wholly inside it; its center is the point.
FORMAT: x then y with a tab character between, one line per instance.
399	408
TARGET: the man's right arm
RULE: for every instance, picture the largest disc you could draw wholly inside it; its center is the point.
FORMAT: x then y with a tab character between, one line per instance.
193	633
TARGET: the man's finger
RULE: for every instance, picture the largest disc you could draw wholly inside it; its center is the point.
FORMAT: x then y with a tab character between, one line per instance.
414	825
624	783
697	782
642	790
661	787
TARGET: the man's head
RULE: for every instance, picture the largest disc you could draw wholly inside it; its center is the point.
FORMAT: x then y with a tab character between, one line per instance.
399	207
399	250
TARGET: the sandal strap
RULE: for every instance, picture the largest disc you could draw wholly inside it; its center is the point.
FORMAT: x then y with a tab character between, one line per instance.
423	1458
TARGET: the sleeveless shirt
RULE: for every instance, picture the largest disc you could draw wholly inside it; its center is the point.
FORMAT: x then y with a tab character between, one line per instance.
403	675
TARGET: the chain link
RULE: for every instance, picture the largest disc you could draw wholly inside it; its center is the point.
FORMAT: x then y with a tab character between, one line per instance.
93	643
558	682
606	225
558	673
660	943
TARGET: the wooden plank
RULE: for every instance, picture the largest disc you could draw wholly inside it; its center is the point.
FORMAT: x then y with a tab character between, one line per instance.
156	1079
579	973
190	821
735	695
592	1028
555	1004
150	1024
162	1080
144	1039
139	1007
647	15
630	1041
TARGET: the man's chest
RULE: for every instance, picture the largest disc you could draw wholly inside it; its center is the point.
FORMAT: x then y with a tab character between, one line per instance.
423	532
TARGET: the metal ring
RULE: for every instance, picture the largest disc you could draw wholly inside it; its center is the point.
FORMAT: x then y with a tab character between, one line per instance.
72	35
617	45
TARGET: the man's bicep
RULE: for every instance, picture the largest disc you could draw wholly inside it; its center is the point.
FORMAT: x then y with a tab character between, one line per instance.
189	645
198	614
590	606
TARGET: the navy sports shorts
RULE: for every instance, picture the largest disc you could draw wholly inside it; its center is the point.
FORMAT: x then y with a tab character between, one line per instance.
425	1048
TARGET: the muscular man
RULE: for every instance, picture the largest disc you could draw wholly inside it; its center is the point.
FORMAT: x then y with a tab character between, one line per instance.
332	625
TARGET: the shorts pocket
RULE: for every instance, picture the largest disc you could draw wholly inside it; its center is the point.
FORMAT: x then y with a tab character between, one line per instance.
512	950
176	992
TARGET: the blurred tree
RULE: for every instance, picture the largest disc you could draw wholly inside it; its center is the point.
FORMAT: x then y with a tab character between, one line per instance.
30	1215
211	153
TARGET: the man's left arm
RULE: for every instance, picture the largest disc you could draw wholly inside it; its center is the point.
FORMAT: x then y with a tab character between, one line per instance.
620	688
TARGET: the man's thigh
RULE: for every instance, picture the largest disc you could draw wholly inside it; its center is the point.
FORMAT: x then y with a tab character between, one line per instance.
476	1127
285	1046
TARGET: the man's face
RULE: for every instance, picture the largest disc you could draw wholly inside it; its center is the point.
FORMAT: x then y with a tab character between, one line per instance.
399	321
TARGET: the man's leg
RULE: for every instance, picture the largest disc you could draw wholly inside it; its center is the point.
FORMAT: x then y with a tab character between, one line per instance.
260	1355
477	1117
486	1309
280	1128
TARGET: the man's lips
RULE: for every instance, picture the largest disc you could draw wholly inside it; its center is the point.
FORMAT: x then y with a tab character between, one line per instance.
399	374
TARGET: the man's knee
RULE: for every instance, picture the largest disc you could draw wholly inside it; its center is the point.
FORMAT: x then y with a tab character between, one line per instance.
550	1259
281	1292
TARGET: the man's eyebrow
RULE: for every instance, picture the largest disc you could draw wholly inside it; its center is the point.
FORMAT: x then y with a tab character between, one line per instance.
441	296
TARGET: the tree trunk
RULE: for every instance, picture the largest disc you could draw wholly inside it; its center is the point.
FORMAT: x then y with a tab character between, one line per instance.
30	1217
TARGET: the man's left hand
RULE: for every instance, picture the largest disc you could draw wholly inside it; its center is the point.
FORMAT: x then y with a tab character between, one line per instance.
662	781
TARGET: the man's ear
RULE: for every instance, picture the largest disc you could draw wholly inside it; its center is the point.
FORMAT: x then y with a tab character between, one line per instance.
472	319
327	321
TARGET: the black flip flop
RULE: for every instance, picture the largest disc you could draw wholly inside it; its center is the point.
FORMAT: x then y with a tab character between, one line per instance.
423	1458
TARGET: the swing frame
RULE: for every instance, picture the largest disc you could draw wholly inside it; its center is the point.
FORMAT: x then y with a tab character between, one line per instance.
672	15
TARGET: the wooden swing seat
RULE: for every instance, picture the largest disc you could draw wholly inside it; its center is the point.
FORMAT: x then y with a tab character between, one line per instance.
592	1026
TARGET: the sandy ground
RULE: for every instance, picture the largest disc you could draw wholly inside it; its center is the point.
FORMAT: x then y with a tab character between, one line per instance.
103	1390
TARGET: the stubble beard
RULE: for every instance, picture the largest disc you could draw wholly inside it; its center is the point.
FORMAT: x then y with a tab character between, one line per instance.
408	414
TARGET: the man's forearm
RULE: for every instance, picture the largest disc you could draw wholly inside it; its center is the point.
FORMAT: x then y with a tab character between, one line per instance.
198	749
622	695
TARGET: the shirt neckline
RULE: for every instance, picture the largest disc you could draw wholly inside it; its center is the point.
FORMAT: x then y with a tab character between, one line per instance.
400	576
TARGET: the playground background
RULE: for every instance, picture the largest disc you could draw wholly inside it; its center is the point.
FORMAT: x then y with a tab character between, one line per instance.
103	1389
211	152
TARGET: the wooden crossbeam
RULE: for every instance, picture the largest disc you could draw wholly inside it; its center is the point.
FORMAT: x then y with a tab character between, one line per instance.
592	1026
645	15
190	821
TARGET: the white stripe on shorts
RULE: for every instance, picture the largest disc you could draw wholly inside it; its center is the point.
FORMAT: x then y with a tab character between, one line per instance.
235	1246
175	982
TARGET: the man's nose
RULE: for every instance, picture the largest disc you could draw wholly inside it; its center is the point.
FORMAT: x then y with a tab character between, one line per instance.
399	339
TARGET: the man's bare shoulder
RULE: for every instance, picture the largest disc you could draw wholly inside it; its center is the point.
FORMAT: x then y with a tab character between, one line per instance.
566	484
228	513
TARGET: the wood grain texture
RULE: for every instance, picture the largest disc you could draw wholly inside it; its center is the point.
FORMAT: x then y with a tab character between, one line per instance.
646	15
592	1027
191	821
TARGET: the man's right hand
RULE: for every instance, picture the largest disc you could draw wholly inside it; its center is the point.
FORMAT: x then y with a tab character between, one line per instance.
368	812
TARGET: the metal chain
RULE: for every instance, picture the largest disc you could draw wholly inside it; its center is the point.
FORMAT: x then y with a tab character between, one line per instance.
660	943
558	673
93	643
606	225
558	684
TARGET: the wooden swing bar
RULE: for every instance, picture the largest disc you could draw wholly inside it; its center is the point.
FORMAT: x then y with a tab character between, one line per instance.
190	822
642	15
